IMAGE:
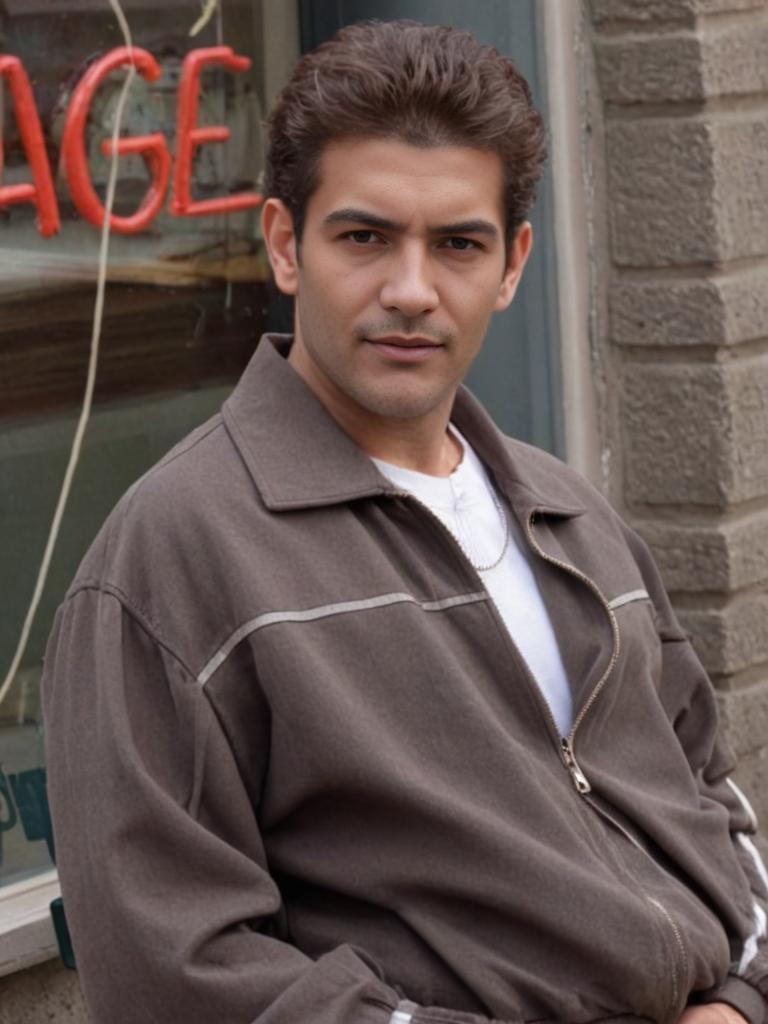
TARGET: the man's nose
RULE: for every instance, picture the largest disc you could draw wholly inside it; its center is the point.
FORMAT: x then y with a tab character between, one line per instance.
409	285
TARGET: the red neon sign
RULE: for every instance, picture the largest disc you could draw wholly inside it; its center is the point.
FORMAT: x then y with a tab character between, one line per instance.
41	193
153	148
190	136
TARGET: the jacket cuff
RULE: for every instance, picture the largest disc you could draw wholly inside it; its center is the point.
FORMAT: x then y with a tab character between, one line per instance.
404	1012
440	1015
742	997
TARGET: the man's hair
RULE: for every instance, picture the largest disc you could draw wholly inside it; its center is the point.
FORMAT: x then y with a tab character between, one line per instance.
423	85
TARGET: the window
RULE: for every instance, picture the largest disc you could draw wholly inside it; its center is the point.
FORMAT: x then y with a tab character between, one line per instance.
187	297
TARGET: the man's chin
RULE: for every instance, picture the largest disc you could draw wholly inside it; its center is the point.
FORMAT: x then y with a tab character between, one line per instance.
404	405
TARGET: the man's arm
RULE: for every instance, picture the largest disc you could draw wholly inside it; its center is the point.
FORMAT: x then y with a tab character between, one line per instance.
164	873
746	987
162	865
690	701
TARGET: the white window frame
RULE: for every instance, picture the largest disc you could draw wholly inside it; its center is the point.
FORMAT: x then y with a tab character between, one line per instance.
27	936
565	38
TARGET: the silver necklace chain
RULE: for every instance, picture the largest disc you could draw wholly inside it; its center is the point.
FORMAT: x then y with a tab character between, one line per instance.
504	546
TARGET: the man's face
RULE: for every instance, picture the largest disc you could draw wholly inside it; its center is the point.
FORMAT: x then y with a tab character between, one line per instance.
401	264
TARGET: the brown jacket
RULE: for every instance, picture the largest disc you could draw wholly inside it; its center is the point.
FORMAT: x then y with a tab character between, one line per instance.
299	771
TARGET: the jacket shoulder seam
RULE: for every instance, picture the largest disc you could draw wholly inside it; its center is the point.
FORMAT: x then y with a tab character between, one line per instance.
142	618
184	448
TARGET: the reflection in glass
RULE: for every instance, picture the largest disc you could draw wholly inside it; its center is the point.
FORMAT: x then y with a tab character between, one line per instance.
186	302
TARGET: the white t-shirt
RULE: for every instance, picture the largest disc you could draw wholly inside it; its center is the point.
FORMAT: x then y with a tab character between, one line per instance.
464	503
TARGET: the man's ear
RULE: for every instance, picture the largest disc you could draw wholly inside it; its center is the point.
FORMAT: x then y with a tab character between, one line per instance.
282	247
517	257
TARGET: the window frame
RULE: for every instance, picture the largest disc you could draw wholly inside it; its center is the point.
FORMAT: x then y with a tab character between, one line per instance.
27	935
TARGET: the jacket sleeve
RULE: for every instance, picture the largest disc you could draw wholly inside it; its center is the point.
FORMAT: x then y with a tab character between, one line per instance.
692	706
173	913
162	866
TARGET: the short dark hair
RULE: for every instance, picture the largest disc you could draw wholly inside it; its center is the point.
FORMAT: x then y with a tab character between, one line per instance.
420	84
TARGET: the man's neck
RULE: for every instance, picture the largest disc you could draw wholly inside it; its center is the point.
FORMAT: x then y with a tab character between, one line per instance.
436	456
422	443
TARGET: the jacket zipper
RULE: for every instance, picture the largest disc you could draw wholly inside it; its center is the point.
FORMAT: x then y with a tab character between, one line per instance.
667	921
579	779
568	757
677	1002
539	696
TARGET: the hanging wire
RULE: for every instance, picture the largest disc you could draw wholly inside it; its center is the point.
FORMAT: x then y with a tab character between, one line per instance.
227	167
209	8
85	413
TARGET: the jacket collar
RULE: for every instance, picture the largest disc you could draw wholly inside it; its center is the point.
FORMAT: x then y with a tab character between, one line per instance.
299	457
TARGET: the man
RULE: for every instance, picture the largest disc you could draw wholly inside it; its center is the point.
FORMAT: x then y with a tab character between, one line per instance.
359	712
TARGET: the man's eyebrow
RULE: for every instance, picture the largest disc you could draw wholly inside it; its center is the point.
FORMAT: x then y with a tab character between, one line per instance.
373	220
468	227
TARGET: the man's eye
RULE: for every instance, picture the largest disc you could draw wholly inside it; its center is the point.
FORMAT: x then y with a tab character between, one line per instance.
461	244
362	237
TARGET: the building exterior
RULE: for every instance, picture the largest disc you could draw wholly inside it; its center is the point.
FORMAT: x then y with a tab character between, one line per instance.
637	350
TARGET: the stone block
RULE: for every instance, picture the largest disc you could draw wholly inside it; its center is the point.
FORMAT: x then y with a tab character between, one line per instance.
661	189
667	312
747	544
704	7
688	190
734	57
696	434
677	429
730	639
744	715
42	994
720	558
630	10
690	559
664	11
722	59
724	309
748	403
650	69
741	173
745	296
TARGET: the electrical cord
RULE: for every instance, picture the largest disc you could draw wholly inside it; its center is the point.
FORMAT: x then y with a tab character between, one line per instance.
209	9
93	361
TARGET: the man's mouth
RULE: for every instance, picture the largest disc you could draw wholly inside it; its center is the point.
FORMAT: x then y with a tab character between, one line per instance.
405	348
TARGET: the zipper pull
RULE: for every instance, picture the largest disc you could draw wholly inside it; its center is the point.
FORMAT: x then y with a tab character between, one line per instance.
578	777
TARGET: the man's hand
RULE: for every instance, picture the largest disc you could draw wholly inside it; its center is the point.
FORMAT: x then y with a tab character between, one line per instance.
712	1013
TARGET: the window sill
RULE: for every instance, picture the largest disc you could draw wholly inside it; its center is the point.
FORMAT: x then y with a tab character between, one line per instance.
26	929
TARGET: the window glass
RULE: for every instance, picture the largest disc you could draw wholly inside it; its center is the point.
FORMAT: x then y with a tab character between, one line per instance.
186	300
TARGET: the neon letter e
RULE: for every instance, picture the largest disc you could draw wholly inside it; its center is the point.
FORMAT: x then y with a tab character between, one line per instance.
189	136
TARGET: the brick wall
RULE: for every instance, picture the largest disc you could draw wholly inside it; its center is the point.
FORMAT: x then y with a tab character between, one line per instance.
683	97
